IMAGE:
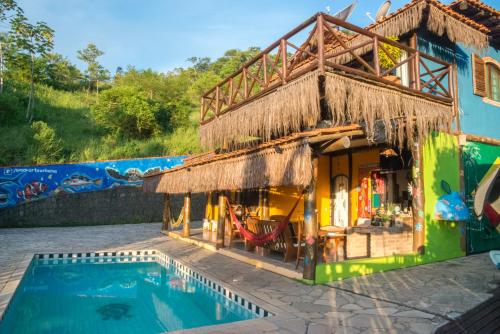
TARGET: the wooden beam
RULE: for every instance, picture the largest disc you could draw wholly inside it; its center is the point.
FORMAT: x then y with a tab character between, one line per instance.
221	222
166	213
340	144
311	226
265	203
319	139
186	229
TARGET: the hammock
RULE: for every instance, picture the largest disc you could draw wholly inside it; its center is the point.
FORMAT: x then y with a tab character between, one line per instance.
262	239
179	221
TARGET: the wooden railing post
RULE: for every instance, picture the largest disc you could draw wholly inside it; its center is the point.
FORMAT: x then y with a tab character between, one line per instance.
284	60
417	71
245	82
264	66
217	100
186	229
376	58
221	222
321	43
311	226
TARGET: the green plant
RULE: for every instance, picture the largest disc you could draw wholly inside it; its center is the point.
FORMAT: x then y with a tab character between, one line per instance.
47	147
385	61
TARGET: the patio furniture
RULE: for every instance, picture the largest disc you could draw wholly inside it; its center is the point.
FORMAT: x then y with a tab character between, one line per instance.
284	242
331	233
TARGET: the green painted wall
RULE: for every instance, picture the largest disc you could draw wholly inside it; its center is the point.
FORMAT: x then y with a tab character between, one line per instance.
477	160
443	239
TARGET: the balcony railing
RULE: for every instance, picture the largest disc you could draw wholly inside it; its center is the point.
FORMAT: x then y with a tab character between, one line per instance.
322	46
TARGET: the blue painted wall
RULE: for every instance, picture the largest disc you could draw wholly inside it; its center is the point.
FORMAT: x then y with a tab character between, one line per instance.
476	116
29	183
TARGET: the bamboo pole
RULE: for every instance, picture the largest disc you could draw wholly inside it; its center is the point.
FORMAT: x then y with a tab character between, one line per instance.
221	222
166	212
311	226
186	232
417	202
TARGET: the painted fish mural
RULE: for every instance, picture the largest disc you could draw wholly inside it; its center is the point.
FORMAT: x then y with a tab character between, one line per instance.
32	190
450	206
28	183
80	181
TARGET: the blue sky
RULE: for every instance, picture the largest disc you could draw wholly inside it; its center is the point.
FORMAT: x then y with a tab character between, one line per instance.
162	34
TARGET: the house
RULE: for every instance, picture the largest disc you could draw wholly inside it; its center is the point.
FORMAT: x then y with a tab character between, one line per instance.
337	142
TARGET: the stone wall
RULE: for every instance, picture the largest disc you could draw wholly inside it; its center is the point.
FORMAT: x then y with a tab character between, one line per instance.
113	206
377	241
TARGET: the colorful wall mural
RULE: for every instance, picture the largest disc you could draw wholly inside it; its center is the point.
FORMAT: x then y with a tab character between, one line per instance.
481	163
28	183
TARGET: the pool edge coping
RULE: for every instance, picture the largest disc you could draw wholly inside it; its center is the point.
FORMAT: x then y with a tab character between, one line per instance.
10	288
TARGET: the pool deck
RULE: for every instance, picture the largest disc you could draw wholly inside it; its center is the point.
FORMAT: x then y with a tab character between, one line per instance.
413	300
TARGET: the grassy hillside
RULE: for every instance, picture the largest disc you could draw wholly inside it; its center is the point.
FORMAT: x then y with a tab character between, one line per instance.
76	136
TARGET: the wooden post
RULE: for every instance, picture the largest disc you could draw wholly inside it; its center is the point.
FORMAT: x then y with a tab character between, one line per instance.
221	222
376	59
209	209
166	212
265	203
261	203
412	66
321	44
311	226
187	216
417	202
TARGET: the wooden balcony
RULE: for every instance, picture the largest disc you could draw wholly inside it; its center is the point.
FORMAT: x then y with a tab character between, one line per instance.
320	46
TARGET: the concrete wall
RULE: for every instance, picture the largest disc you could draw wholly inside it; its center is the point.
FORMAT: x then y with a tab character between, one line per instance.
114	206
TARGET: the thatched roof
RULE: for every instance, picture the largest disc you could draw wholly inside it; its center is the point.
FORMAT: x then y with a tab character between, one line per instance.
281	162
296	106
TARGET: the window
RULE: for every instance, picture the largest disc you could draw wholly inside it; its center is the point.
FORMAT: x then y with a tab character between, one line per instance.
486	78
493	81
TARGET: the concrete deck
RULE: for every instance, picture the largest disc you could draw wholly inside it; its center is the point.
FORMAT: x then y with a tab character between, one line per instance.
414	300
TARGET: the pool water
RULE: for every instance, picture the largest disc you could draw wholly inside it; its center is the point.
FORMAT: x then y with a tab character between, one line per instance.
113	297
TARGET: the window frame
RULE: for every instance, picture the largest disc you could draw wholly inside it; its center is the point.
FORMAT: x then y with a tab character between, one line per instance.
488	63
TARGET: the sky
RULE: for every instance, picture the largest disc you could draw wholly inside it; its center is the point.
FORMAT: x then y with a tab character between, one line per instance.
163	34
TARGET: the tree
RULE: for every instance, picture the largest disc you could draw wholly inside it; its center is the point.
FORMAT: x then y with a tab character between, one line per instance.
31	41
47	146
7	7
128	112
95	72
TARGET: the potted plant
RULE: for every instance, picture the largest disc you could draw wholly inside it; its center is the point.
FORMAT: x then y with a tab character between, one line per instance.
386	62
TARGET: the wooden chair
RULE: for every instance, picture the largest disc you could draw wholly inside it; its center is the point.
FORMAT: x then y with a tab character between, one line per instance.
300	244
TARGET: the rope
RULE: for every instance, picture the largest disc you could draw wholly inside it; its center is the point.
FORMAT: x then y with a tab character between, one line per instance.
262	239
179	220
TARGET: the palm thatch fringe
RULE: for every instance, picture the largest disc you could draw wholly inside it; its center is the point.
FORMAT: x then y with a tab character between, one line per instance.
411	19
288	165
405	116
457	31
288	109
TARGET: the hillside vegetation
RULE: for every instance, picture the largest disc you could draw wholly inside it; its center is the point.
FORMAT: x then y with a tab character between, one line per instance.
51	112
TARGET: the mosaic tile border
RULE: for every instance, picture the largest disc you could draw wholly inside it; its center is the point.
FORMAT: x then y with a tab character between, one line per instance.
152	255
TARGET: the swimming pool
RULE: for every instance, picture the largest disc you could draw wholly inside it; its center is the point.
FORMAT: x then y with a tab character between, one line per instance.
119	292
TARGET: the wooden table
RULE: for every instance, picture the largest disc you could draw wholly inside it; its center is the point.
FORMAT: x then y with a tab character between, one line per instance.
334	233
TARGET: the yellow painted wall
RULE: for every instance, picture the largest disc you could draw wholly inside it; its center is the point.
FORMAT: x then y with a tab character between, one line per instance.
281	199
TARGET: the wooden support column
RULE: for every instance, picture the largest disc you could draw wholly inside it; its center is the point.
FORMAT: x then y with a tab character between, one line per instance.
166	212
311	226
261	203
221	222
265	203
417	202
186	232
209	209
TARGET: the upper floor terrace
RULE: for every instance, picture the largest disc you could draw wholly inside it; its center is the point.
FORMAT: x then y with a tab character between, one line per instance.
328	72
